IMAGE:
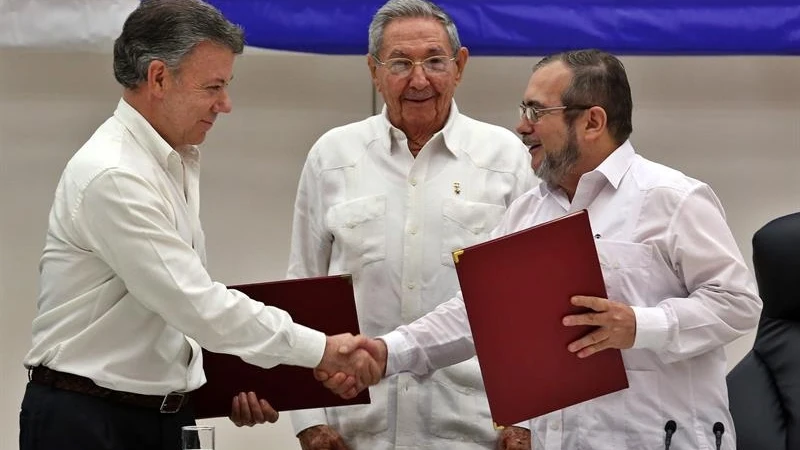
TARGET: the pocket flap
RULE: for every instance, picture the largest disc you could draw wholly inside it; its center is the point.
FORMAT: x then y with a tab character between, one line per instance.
355	212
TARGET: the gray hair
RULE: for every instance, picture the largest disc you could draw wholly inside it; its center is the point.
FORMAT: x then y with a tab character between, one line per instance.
168	30
400	9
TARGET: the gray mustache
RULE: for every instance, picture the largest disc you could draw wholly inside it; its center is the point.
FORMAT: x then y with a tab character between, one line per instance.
529	142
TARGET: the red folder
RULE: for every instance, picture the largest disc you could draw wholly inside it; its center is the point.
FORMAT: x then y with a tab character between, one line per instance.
325	304
516	289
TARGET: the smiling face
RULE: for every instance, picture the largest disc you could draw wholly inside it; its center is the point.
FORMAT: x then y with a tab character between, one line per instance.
194	95
418	100
552	143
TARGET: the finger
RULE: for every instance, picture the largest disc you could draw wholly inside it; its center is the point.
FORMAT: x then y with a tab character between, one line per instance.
321	375
369	370
269	412
352	393
595	303
346	383
349	383
236	413
255	408
246	417
592	349
365	368
335	380
592	338
592	318
346	345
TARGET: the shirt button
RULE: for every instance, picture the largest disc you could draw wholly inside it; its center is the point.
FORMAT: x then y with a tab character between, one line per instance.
413	181
411	285
555	425
413	231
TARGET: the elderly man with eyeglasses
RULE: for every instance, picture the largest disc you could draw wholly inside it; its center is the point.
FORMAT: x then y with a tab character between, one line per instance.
387	199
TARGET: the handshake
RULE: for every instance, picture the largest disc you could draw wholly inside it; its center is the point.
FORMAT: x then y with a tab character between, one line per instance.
350	364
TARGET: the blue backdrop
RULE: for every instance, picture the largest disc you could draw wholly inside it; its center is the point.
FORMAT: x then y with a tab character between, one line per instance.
537	27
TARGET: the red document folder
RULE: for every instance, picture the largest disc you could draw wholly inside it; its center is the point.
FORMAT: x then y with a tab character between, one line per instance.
326	304
516	289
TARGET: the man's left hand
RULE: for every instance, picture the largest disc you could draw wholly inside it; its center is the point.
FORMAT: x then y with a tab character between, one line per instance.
514	438
616	322
247	410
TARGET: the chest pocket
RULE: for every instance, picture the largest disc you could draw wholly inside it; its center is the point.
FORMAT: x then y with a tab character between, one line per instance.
627	268
465	223
359	230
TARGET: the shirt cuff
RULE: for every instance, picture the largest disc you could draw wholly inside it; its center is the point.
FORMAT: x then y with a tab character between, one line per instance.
652	328
526	425
307	418
397	357
308	348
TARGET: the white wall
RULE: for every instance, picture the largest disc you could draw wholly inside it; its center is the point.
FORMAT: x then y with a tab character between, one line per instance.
732	122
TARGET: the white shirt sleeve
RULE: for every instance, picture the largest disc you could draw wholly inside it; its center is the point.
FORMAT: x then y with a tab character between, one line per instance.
127	222
723	303
439	339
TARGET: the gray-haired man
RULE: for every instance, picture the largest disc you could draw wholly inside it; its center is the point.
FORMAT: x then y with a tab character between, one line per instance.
387	199
126	302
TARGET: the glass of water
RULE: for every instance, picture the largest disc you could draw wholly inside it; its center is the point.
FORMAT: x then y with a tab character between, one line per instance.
197	437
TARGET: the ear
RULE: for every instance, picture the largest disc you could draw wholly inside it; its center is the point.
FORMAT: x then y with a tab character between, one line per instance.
596	124
461	62
158	76
373	68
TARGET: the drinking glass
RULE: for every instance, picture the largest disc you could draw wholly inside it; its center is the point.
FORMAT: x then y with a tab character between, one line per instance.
197	437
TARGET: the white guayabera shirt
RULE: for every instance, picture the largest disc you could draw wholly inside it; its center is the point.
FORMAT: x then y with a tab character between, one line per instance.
666	250
366	206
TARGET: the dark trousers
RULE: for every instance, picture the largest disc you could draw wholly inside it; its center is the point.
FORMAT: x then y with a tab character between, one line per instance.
55	419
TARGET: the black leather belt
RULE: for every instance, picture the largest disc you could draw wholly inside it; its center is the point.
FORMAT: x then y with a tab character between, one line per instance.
167	404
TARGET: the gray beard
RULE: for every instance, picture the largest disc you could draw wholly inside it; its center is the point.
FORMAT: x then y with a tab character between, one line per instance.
556	165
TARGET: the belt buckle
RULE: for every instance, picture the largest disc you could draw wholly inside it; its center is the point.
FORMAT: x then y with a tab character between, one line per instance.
166	405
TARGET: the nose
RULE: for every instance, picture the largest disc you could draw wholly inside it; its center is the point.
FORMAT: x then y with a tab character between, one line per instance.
418	78
524	126
224	104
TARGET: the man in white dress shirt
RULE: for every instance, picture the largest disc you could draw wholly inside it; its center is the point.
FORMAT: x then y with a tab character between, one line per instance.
678	287
126	302
388	199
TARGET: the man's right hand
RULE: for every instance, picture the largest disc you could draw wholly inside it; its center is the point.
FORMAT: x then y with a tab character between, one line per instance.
348	365
346	385
321	437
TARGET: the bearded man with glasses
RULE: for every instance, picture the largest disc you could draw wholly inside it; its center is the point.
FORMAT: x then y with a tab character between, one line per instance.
388	199
678	287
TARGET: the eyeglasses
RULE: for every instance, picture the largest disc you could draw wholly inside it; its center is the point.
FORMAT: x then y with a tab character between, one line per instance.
534	114
433	65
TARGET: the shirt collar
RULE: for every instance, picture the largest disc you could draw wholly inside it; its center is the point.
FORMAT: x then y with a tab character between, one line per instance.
617	163
613	168
148	137
450	132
